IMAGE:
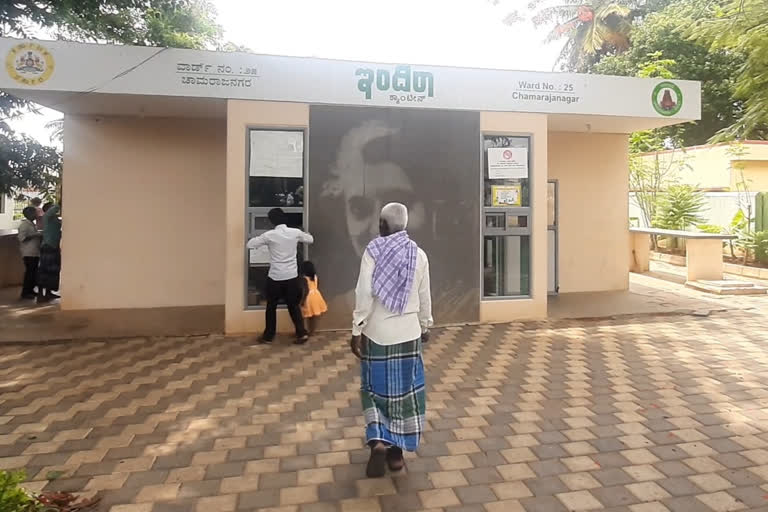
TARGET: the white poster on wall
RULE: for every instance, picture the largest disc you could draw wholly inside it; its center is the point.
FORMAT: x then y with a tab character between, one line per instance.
259	256
276	154
507	163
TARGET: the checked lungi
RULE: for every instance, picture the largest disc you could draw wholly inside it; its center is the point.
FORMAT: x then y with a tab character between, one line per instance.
392	393
50	268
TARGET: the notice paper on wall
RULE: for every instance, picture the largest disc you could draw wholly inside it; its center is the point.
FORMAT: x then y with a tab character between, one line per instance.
507	163
259	256
506	195
276	154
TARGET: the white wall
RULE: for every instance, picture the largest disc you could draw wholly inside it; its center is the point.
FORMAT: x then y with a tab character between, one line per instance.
6	213
720	208
143	213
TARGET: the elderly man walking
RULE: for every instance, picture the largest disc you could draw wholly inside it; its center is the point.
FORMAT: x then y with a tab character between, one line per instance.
393	314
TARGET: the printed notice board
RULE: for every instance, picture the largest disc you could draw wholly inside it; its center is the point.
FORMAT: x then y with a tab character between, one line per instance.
276	154
507	163
506	195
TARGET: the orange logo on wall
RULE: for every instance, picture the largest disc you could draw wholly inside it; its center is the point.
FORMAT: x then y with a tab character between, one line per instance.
29	63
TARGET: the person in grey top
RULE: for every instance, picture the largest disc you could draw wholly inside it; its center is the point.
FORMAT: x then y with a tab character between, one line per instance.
29	243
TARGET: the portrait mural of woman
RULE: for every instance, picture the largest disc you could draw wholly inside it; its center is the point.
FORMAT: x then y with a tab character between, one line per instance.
429	160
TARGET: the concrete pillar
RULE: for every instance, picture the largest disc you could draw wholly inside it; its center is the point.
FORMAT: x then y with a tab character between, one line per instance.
639	252
704	259
241	115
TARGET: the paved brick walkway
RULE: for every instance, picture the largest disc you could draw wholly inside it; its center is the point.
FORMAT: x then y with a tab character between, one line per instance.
643	415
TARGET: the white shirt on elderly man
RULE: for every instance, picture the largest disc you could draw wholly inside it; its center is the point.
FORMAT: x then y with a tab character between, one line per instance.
379	324
282	243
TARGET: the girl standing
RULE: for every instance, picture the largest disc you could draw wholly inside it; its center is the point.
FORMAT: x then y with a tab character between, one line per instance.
313	305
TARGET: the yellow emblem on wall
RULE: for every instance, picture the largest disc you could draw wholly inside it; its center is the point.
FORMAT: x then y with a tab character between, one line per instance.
29	63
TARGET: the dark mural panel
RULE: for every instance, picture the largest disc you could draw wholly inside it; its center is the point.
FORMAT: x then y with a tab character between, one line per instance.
362	158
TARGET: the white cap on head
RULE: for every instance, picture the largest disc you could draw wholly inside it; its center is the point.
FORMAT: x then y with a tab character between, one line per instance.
396	215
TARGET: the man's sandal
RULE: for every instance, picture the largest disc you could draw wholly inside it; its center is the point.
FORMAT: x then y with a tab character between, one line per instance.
377	464
395	459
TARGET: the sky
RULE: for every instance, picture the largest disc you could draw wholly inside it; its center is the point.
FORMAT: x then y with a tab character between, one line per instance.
440	32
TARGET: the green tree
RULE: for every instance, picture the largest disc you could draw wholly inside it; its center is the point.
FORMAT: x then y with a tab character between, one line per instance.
679	208
25	163
736	27
649	177
591	29
56	127
588	28
660	50
173	23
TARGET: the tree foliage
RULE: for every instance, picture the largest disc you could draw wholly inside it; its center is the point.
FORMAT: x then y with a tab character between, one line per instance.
660	50
737	27
590	29
680	207
24	162
650	177
173	23
721	43
13	497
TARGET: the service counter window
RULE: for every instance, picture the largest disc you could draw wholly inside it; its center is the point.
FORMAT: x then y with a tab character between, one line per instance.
275	168
506	216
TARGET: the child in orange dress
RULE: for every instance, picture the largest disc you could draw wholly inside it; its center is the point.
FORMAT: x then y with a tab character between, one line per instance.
313	305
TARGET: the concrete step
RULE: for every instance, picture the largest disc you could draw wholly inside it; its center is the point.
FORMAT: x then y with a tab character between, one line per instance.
731	287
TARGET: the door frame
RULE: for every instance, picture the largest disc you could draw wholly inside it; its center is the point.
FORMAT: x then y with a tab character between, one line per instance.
555	228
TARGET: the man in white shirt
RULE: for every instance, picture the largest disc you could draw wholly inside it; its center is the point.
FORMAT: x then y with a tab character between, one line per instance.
392	317
29	244
283	278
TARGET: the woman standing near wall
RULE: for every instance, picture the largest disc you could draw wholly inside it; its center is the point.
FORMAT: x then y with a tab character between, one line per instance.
50	255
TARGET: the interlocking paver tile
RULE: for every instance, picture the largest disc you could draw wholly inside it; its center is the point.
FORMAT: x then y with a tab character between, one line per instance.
504	506
298	495
439	498
225	503
442	479
199	489
546	486
455	462
546	416
648	491
643	472
649	507
160	492
579	500
579	481
511	490
513	472
721	502
617	496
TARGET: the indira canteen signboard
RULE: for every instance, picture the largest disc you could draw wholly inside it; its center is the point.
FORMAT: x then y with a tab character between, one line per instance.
77	67
403	84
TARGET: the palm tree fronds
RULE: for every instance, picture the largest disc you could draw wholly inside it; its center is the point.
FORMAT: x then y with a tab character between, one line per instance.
57	129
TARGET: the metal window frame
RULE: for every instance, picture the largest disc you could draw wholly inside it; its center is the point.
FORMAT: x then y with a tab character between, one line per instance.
248	211
519	210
